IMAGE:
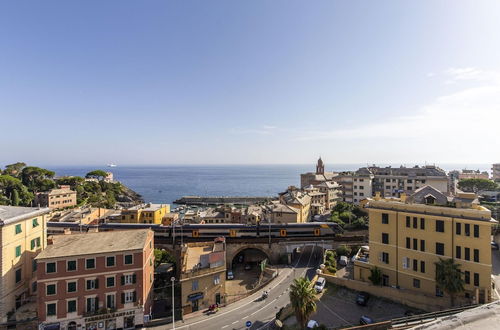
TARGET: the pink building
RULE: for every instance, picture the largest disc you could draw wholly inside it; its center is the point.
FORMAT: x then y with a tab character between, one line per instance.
96	280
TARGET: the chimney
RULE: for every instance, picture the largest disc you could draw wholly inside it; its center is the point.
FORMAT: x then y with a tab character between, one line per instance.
377	195
403	197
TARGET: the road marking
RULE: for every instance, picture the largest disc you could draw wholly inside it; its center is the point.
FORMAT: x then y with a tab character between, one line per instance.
225	326
235	322
248	303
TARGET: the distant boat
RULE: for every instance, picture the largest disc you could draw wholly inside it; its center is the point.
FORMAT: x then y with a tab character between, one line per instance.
111	165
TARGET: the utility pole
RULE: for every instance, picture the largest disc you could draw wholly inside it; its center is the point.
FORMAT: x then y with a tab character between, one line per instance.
173	298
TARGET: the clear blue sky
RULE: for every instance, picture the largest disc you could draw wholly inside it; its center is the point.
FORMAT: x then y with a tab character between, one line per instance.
223	82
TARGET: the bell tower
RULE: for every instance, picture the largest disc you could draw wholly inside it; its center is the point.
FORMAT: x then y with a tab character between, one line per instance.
320	167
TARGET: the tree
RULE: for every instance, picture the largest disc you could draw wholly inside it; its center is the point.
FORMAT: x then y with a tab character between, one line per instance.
15	198
449	278
475	185
14	169
7	186
97	174
162	256
375	276
37	179
302	298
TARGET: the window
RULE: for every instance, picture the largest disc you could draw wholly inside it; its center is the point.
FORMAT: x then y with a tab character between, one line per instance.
422	245
18	251
51	289
476	230
92	304
129	297
422	266
385	257
416	283
440	226
415	222
19	275
476	279
50	267
467	229
71	265
71	306
458	228
18	229
406	262
408	222
71	287
216	279
408	243
128	259
110	261
34	223
33	265
385	238
476	255
194	285
51	309
422	223
129	279
35	243
110	301
439	292
110	281
415	265
467	254
415	244
458	252
440	249
385	218
34	287
467	277
92	284
89	263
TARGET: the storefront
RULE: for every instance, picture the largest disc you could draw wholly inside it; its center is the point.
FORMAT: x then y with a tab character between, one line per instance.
110	321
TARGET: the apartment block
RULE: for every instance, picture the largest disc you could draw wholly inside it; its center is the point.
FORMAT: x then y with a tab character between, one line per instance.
57	198
97	280
495	171
203	275
145	213
23	233
410	234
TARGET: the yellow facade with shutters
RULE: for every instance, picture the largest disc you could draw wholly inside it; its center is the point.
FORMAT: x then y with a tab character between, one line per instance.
147	213
23	236
406	240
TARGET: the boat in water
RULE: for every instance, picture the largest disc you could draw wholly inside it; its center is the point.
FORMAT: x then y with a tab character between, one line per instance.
111	165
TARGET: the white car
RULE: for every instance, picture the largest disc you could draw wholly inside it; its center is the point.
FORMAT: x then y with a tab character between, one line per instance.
320	284
230	275
312	324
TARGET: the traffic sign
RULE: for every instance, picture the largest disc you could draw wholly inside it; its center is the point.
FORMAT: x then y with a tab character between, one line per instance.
248	324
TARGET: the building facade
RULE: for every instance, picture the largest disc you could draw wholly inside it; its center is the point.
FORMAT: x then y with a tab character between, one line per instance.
23	236
56	198
409	235
96	280
203	275
145	213
473	174
495	171
320	176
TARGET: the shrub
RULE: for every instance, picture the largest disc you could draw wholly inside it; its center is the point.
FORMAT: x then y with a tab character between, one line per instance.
343	250
375	276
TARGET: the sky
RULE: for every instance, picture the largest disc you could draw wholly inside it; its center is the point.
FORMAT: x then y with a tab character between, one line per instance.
249	82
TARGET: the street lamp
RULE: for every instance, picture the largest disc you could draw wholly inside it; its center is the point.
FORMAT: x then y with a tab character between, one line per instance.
173	298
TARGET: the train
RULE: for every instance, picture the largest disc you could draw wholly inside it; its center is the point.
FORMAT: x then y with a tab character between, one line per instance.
273	230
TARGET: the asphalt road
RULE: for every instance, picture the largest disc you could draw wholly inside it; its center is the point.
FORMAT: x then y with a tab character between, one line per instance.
253	308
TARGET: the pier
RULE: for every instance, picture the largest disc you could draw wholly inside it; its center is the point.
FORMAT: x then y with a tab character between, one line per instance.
216	200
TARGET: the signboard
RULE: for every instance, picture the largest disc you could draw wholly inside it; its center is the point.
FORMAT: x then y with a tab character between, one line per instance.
195	296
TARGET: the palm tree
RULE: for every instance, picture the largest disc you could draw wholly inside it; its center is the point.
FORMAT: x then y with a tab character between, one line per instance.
302	298
449	278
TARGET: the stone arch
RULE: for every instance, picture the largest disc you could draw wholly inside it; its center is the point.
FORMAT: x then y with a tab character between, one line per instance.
232	255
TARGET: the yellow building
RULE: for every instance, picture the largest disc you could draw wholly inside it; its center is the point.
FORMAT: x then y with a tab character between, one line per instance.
145	213
298	200
203	275
23	236
409	235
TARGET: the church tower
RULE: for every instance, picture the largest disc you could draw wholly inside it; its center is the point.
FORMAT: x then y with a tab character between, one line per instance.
320	167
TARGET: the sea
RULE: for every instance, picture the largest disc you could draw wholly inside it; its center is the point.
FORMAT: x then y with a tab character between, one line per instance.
165	184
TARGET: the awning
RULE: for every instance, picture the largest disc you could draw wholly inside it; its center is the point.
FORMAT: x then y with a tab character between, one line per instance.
52	326
195	296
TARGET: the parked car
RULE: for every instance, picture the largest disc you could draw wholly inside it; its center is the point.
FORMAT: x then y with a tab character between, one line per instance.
230	275
320	284
365	320
343	261
494	245
312	324
362	298
248	266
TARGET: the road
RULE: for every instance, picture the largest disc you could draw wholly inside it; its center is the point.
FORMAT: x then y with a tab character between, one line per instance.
253	308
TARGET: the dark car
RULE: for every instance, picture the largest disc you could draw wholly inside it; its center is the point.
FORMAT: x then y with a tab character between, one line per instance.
494	245
365	320
248	267
362	298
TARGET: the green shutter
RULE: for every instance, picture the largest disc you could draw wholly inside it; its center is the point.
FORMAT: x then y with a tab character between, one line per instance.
18	229
33	244
18	251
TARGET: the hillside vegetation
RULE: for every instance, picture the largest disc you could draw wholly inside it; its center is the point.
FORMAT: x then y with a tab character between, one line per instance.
19	183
